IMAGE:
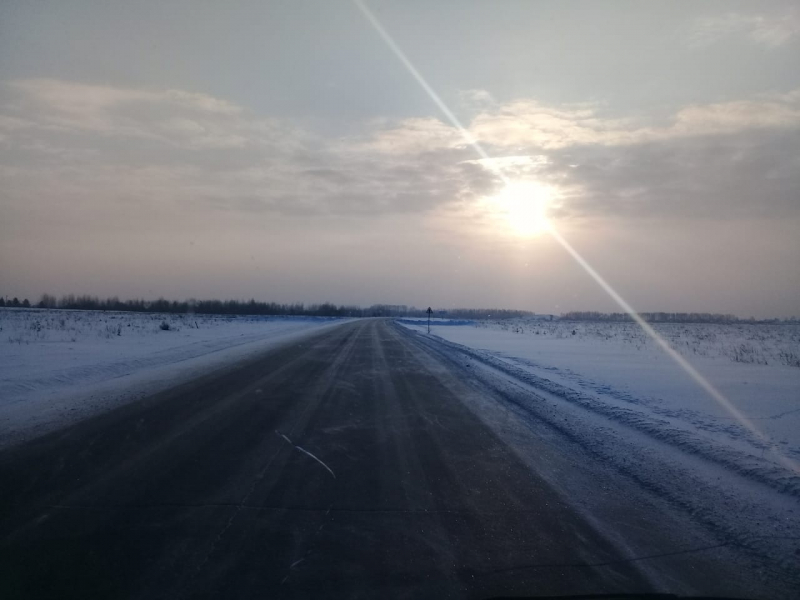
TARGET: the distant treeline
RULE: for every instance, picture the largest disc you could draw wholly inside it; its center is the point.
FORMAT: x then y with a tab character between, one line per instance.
252	307
662	317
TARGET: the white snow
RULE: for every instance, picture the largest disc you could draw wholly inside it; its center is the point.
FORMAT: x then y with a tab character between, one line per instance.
58	366
605	414
616	370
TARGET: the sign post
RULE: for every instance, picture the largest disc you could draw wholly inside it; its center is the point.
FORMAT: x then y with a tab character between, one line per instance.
429	311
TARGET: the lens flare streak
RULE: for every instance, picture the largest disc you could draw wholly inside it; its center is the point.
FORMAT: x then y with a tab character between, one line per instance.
715	394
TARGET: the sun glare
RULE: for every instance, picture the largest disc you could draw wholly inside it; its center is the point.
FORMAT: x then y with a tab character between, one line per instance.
524	204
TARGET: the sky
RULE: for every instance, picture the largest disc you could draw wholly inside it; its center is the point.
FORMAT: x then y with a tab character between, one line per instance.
280	150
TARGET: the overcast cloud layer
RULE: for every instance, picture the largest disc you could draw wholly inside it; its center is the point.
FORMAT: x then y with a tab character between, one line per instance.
120	185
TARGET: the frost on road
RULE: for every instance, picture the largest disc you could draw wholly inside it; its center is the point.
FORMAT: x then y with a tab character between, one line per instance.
57	366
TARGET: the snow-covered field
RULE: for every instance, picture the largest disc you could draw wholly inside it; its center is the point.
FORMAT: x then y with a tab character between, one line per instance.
616	370
57	366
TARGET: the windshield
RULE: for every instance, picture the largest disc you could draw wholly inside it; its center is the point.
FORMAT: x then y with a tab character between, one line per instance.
356	298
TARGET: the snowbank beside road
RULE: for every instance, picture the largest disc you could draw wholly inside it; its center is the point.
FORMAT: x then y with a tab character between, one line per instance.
614	370
587	408
58	366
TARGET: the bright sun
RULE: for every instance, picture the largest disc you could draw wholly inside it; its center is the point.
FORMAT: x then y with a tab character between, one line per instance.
524	204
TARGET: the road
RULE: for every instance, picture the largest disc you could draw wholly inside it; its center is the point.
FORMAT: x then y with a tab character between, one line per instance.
346	465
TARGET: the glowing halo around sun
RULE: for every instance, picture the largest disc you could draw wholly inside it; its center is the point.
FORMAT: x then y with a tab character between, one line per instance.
524	206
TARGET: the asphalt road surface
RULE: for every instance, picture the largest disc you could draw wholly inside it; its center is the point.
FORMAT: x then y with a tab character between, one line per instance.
346	465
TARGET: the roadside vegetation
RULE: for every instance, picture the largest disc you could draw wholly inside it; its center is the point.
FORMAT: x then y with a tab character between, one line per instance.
250	307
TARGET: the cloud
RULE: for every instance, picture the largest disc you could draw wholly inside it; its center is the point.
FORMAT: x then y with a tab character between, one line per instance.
409	136
69	148
71	142
527	123
770	31
742	175
736	159
170	116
